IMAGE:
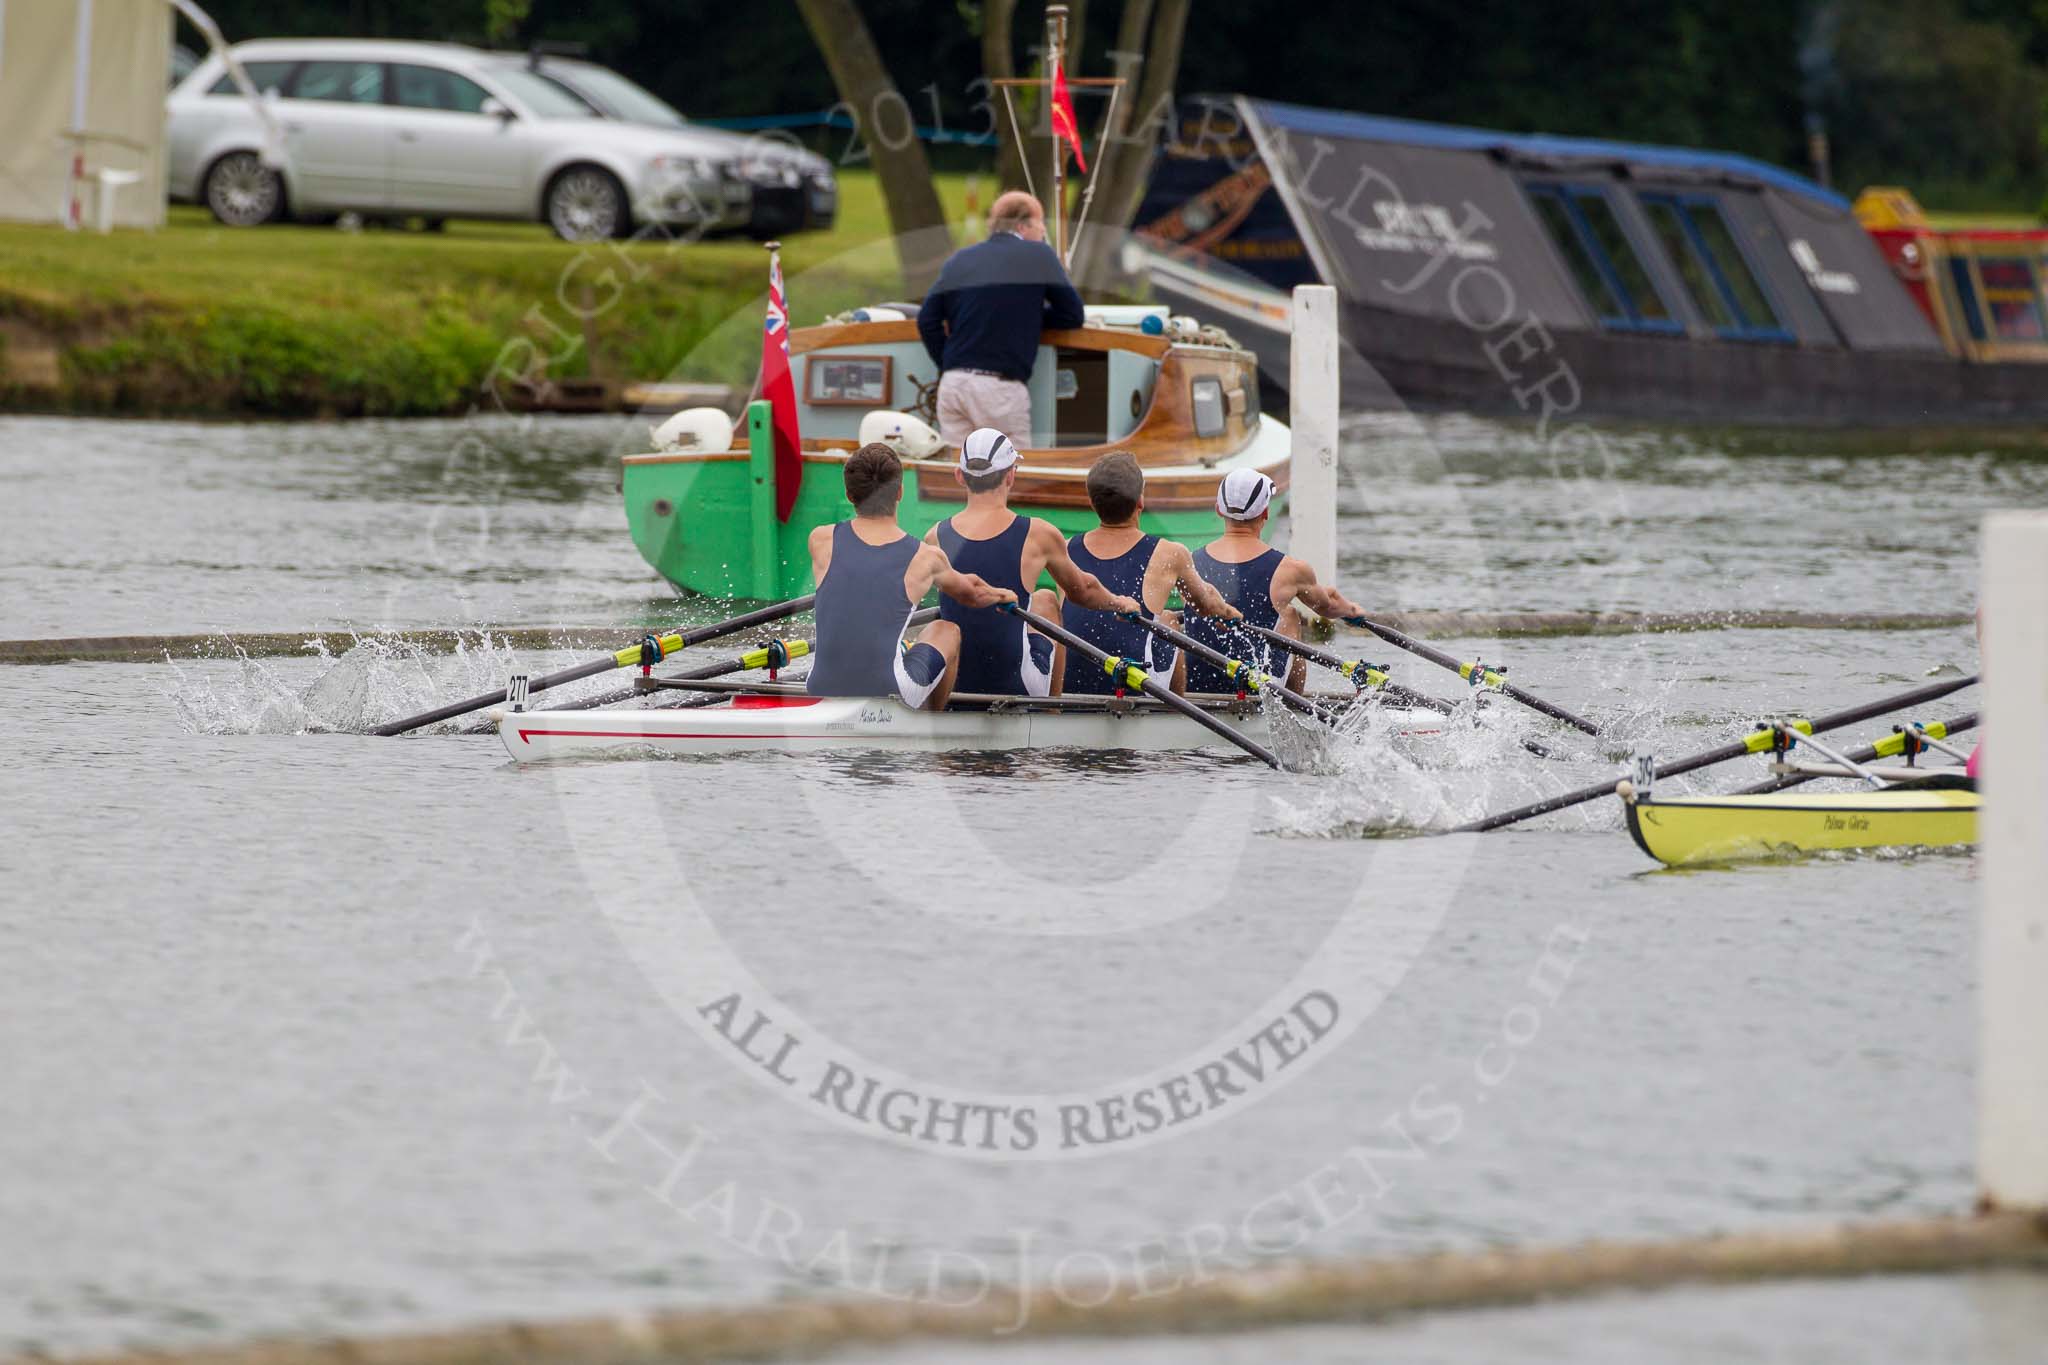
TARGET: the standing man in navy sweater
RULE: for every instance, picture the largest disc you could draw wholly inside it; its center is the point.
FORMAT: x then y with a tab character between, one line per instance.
982	319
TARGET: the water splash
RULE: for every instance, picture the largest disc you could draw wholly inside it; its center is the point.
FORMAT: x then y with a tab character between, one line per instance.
375	680
1387	770
1383	772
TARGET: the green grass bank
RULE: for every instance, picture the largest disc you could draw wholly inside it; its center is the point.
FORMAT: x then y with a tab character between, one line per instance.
289	321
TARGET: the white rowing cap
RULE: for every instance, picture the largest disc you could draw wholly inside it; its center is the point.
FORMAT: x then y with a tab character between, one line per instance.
1243	494
986	451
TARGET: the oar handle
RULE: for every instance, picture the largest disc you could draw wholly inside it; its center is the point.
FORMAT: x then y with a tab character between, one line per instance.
1473	672
1131	674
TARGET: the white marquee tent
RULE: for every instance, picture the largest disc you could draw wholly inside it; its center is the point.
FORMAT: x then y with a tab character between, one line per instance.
82	86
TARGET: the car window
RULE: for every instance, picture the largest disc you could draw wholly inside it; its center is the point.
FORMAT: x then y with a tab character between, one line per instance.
429	87
626	100
571	91
265	76
544	98
341	82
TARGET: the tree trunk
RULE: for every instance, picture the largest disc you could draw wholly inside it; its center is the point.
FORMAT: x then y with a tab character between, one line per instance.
1146	107
1077	30
884	122
999	62
1127	59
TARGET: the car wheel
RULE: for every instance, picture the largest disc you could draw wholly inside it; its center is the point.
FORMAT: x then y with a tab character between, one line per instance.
243	192
586	204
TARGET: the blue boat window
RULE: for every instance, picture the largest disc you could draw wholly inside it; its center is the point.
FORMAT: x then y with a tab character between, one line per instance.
1557	220
1584	229
1692	267
1965	286
1711	262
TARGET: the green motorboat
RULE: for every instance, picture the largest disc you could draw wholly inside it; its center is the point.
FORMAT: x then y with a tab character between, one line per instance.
1183	400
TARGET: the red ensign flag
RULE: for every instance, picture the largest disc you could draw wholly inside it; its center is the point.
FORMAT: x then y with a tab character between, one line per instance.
780	391
1064	124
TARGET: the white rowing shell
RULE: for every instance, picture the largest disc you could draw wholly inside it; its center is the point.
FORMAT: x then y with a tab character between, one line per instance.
813	724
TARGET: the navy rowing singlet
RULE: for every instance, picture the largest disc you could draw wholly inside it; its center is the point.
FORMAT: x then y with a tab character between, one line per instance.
861	614
995	656
1125	576
1249	588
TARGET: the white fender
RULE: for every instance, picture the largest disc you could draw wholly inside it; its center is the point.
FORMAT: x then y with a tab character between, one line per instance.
901	432
694	430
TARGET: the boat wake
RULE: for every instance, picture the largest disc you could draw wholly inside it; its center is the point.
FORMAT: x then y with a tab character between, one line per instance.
376	679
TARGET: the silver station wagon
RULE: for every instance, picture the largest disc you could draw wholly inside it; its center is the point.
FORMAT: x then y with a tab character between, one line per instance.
395	130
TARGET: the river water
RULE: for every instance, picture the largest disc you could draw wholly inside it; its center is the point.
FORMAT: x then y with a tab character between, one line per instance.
309	1032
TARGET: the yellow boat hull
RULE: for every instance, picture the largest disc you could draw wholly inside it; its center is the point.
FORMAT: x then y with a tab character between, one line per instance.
1711	829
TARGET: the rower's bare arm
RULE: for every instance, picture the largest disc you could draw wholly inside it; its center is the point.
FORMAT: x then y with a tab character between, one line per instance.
972	590
930	567
821	552
1075	583
1297	581
1196	590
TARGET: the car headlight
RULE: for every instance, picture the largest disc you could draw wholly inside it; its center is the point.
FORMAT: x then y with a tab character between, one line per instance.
693	167
774	171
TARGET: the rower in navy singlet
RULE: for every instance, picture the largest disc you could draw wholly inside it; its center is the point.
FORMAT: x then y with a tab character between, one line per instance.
1249	587
871	575
1130	562
998	652
1259	581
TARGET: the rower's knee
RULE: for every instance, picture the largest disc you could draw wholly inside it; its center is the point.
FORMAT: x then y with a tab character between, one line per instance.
943	636
1046	603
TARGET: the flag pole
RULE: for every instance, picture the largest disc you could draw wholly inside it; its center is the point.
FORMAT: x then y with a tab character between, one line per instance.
1055	53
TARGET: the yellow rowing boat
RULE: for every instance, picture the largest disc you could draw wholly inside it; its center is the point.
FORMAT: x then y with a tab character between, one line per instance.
1707	829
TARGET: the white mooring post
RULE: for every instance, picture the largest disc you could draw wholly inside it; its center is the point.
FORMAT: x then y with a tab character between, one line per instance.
1312	397
2012	1065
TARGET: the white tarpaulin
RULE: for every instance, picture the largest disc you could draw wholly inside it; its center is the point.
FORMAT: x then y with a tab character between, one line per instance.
82	77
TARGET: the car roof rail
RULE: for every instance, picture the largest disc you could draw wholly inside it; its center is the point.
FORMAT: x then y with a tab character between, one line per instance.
549	47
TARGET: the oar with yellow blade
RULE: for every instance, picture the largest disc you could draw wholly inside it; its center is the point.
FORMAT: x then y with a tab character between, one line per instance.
1891	746
649	652
1128	674
1476	673
1252	680
1362	675
1759	741
775	654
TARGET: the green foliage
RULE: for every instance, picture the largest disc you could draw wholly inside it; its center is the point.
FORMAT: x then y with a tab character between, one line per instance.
502	19
1950	104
